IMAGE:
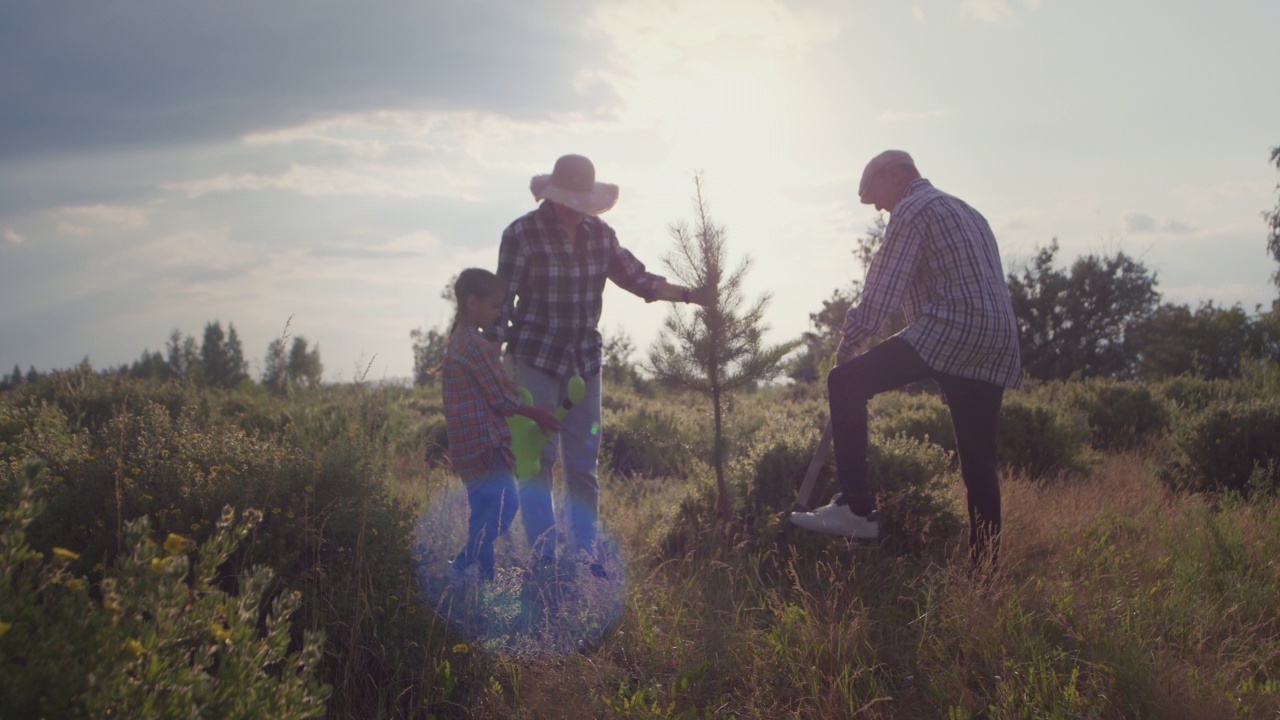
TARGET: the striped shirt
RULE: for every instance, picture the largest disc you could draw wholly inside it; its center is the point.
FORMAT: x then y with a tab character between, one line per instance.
478	397
555	292
940	264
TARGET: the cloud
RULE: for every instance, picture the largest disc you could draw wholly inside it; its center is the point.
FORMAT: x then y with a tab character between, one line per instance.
661	34
1141	223
13	237
318	181
917	12
206	248
894	116
993	10
380	154
104	75
86	219
986	10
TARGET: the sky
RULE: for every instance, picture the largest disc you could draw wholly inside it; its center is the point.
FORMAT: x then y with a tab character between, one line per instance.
323	168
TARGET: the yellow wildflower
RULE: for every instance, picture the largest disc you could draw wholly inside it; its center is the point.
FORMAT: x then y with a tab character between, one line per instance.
134	647
65	554
157	565
75	584
4	627
175	544
221	632
461	648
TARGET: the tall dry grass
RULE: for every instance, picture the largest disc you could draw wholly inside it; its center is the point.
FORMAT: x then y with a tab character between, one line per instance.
1101	608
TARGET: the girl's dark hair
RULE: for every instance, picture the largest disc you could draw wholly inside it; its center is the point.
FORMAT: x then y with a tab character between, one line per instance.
472	282
469	283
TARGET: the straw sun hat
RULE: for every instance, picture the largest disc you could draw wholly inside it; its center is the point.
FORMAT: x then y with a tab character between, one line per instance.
572	183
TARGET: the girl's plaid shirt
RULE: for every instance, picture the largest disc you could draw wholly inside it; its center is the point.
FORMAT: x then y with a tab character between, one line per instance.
478	398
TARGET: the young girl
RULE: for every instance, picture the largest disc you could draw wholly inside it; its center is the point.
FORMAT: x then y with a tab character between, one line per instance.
477	399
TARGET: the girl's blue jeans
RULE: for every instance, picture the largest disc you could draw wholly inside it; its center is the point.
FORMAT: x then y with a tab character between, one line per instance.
493	499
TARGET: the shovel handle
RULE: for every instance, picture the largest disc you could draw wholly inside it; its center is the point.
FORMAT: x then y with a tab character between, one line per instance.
815	466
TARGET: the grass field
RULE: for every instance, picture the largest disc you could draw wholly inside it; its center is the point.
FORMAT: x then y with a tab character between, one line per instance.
1120	592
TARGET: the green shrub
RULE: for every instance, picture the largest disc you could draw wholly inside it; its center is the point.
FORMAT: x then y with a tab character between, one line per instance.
776	465
1120	414
921	416
1231	445
650	438
916	509
1042	437
330	526
695	517
1188	393
160	638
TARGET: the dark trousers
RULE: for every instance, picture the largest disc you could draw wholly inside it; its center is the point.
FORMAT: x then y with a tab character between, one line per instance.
494	500
975	414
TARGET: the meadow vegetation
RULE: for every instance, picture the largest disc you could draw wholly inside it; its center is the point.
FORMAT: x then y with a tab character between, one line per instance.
169	549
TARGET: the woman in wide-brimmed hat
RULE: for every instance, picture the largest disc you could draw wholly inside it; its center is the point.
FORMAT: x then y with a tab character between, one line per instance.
554	261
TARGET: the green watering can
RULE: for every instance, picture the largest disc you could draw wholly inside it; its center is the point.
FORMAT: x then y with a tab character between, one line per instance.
527	439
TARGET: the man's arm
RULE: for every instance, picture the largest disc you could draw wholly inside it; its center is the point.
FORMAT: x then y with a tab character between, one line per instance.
888	279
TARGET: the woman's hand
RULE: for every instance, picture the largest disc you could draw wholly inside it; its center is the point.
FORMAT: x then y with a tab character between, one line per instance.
545	421
703	296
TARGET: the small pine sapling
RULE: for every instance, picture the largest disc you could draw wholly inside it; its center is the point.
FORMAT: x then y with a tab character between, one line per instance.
718	348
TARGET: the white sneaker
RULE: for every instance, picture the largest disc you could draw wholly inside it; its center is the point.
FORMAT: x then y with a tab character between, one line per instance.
834	519
469	575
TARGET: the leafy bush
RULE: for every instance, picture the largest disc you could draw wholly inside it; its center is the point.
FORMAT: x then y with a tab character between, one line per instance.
916	508
160	638
1120	414
331	527
685	531
1188	393
921	416
1042	437
776	465
651	438
1232	445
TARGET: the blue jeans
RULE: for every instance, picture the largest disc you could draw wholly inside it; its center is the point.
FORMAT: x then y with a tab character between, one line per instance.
579	443
493	500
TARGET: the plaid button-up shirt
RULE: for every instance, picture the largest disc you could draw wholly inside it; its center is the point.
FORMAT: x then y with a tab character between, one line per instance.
940	264
478	397
555	292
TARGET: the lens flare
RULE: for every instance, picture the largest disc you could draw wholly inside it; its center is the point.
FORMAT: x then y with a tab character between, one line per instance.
528	610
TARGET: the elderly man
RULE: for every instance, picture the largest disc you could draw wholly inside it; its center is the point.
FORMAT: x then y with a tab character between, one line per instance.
940	264
555	261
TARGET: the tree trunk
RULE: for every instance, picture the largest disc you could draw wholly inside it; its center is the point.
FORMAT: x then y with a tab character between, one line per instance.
717	456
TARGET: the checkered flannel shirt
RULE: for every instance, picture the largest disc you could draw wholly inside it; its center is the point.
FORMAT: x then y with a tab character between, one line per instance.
940	264
555	292
478	397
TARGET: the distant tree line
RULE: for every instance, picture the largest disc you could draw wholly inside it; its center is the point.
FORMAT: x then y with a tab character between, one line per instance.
1101	317
216	361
